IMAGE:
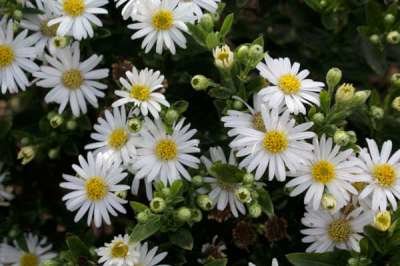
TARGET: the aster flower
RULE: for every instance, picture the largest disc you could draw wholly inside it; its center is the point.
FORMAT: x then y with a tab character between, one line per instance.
37	252
141	90
73	82
382	172
94	189
75	17
161	23
119	252
288	85
16	55
281	146
148	257
329	169
328	230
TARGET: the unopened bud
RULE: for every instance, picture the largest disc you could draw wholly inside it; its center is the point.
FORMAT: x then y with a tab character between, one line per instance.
204	202
352	136
256	52
360	97
207	22
17	14
142	217
243	53
393	37
183	214
328	202
243	195
56	121
237	105
333	77
374	39
171	116
395	80
200	82
71	124
318	118
60	42
341	138
383	220
197	215
27	154
223	57
248	178
396	103
389	19
53	153
197	180
255	210
377	112
345	93
157	204
134	124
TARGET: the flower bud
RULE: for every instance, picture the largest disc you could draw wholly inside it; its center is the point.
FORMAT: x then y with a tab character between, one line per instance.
243	53
27	154
200	82
207	22
345	93
134	124
389	19
377	112
204	202
157	205
51	114
255	210
243	194
256	52
183	214
142	217
71	124
25	141
171	116
56	121
121	194
328	202
197	215
53	153
360	97
166	191
333	77
352	136
341	138
382	221
318	118
396	103
374	39
237	105
393	37
395	80
17	14
248	178
197	180
60	42
223	57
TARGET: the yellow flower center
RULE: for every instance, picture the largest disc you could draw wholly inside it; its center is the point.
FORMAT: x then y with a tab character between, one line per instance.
96	188
383	220
72	79
258	122
7	55
166	150
119	249
223	55
339	230
28	259
275	141
323	171
48	31
385	174
118	138
140	92
74	8
163	19
289	84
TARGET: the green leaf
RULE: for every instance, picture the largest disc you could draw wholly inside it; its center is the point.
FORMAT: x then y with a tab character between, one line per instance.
319	259
137	206
227	173
77	247
226	26
265	201
217	262
197	33
376	238
176	188
180	106
182	238
144	230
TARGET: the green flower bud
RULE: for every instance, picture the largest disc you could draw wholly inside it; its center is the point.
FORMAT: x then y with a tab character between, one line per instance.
53	153
352	136
256	52
396	103
25	141
71	124
377	112
171	116
51	114
207	22
393	37
204	202
243	194
389	19
142	217
345	93
255	210
134	124
183	214
121	194
341	138
248	178
395	80
318	118
360	97
322	3
333	77
200	82
197	180
197	215
328	202
166	191
27	154
157	205
374	39
17	14
56	121
216	17
60	42
243	53
237	105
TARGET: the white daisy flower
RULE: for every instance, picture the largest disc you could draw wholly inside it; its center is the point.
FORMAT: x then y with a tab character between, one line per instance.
119	252
281	146
37	252
113	137
288	85
163	156
222	193
149	257
382	172
16	55
94	189
130	7
75	17
72	81
37	23
5	195
162	22
210	6
141	90
328	230
329	170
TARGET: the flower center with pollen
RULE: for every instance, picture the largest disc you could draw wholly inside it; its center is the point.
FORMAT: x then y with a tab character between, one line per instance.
48	31
118	138
74	8
258	122
28	259
119	249
140	92
7	55
323	171
275	141
72	79
384	174
166	150
339	230
289	84
96	188
163	19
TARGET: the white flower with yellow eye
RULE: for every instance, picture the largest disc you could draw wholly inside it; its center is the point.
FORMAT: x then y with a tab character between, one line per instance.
119	252
161	23
75	17
129	7
71	81
382	172
141	89
94	189
288	85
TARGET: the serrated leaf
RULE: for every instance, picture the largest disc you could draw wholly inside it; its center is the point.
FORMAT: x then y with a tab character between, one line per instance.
144	230
226	26
182	238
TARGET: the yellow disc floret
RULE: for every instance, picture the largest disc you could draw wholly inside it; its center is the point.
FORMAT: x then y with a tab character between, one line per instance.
118	138
140	92
28	259
72	79
166	150
74	8
163	19
384	174
275	141
339	230
7	55
323	171
289	84
119	249
258	122
96	188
